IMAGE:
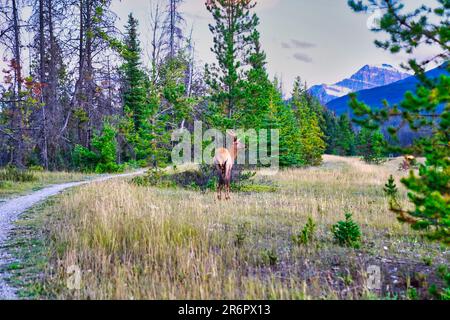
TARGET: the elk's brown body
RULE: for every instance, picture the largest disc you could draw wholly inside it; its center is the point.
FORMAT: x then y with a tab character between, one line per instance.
224	161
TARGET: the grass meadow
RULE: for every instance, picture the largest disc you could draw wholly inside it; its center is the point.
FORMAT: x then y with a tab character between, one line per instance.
134	242
39	179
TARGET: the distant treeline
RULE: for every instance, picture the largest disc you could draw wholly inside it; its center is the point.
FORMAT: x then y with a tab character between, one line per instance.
87	99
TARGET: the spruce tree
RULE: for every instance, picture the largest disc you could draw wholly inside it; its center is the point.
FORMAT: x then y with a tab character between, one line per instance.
232	31
345	142
135	108
281	116
312	145
331	129
370	144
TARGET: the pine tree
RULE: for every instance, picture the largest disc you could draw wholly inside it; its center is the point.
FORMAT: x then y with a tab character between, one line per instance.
345	142
135	108
331	129
282	117
370	144
312	145
232	34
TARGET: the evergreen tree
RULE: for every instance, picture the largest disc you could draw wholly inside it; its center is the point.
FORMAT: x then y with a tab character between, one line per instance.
135	109
370	145
281	116
331	129
232	35
312	145
345	142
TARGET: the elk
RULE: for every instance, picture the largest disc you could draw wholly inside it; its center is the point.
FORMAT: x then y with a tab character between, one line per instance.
224	162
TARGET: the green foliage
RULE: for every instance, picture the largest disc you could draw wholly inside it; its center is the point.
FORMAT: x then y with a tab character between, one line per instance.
412	294
427	108
306	235
345	141
444	274
312	144
241	233
281	116
370	144
13	174
153	178
330	129
202	179
234	39
269	257
103	156
390	188
347	233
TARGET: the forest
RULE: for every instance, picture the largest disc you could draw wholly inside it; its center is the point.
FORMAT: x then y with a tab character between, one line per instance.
88	99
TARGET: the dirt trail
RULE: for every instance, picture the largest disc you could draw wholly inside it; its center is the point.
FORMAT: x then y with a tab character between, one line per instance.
12	208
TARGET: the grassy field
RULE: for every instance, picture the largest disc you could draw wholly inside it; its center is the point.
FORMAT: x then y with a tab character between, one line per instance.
41	179
135	242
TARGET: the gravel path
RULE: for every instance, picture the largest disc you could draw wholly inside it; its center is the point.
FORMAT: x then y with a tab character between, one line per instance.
11	209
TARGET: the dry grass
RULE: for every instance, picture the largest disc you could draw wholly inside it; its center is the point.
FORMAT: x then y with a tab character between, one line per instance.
43	178
143	243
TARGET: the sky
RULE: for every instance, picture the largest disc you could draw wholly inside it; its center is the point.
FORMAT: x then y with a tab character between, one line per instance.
322	41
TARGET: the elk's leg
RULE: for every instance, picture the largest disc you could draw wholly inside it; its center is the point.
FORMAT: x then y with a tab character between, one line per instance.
227	187
219	191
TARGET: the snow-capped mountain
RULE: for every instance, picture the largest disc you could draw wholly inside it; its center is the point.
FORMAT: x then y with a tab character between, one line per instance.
368	77
393	93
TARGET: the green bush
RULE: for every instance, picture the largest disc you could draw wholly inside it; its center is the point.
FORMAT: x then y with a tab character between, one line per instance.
347	233
306	235
14	174
444	294
269	257
36	168
370	145
154	178
202	179
103	156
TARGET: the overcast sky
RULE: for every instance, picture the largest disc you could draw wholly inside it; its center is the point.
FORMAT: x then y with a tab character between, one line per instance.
322	41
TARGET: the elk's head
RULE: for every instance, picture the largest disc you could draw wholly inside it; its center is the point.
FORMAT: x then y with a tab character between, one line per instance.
236	143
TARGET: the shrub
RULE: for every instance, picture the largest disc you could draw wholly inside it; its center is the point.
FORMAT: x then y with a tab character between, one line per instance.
14	174
241	234
202	179
36	168
269	257
347	233
103	156
153	178
306	235
444	294
371	145
390	188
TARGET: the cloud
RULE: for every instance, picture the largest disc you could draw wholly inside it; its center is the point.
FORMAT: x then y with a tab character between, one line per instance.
302	44
302	57
297	44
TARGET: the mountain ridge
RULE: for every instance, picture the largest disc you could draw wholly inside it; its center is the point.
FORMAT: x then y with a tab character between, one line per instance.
368	77
393	93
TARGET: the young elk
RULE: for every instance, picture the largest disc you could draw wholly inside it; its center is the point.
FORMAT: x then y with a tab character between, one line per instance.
224	162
